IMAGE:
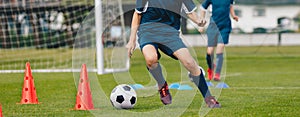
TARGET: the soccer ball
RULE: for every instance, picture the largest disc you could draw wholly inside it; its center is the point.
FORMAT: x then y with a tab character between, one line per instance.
123	97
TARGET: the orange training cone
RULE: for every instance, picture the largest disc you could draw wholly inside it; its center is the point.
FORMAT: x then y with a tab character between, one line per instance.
1	111
28	92
84	95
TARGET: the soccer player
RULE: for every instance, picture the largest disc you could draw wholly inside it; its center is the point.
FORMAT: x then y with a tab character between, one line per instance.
218	32
157	24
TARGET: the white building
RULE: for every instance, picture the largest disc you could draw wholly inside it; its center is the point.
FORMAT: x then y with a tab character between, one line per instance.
266	14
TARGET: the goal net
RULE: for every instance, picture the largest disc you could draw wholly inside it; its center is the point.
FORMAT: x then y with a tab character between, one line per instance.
56	35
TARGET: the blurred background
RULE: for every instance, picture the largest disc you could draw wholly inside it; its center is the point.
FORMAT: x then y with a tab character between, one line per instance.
54	23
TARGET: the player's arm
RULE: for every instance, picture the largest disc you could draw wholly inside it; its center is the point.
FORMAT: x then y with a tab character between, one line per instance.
200	21
232	13
189	7
136	18
202	13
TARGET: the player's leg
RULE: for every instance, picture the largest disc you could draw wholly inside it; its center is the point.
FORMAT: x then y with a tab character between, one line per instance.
222	41
196	75
219	61
212	40
151	56
210	62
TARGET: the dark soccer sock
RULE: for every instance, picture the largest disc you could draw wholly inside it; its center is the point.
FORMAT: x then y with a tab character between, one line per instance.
209	60
219	62
201	84
157	74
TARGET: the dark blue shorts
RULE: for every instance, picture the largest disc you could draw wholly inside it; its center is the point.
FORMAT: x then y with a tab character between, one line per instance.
217	35
167	43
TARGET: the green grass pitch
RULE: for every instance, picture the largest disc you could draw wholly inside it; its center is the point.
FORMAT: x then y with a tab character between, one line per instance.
264	81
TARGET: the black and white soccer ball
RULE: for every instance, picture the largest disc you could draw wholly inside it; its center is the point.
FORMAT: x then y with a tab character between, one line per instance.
123	96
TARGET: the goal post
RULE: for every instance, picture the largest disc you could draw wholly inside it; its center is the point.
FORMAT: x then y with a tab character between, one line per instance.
45	33
114	20
99	30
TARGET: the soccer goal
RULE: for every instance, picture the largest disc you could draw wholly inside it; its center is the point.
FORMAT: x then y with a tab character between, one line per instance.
61	35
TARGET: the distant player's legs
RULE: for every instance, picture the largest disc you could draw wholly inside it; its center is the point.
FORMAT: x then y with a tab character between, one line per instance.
219	60
151	57
210	57
212	39
210	62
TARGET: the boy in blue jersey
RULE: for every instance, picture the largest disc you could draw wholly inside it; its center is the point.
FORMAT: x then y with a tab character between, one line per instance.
157	24
218	33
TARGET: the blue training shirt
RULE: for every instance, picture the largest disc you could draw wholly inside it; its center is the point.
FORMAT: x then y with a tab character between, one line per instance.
220	11
158	12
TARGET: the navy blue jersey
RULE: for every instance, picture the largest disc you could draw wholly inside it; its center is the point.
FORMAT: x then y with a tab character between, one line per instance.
220	11
157	12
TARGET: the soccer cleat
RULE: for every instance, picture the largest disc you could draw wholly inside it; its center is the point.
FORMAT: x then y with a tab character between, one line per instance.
165	95
210	73
211	102
217	77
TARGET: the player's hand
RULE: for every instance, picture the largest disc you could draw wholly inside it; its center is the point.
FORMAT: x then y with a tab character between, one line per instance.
131	46
201	22
201	29
236	18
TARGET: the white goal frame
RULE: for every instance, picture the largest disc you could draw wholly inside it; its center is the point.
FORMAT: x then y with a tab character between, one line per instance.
99	45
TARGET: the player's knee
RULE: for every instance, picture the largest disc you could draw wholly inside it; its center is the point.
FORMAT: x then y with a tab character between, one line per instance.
151	61
210	50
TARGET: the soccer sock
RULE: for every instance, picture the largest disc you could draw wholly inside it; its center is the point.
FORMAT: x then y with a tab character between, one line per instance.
157	74
201	84
219	61
209	60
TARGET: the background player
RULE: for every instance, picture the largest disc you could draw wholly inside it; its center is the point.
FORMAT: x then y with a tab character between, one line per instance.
218	33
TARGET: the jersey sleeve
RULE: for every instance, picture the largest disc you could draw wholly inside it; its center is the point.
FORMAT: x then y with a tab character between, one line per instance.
141	6
188	6
205	4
